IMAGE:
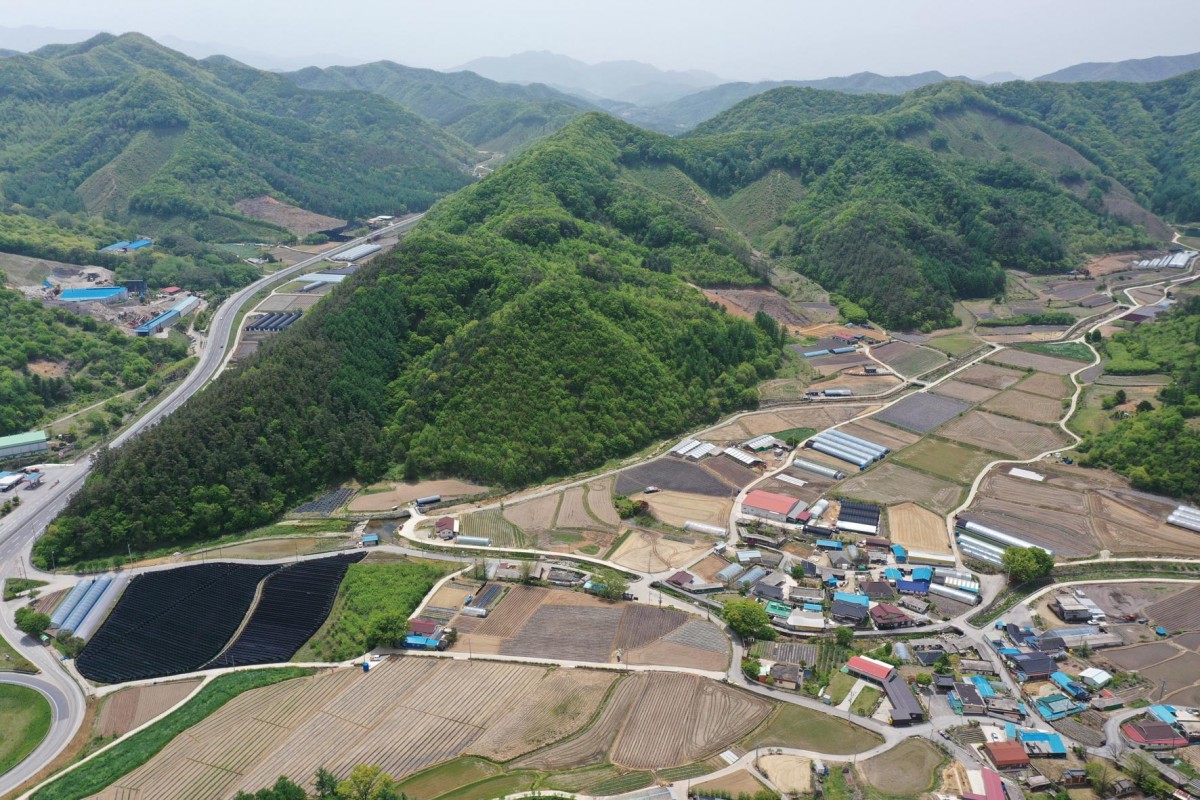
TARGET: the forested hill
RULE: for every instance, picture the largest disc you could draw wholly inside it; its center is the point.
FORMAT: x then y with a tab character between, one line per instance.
126	127
503	117
534	324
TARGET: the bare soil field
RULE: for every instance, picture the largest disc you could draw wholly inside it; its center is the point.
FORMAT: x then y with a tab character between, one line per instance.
1009	436
276	547
963	391
1032	407
1131	598
1110	263
1141	656
922	412
918	529
1179	672
676	508
600	501
574	633
748	302
513	611
642	624
533	515
713	715
653	552
991	376
906	769
709	567
671	654
761	422
1125	530
296	220
492	525
1180	612
1047	385
730	471
565	703
1068	535
404	493
672	473
909	360
1037	361
572	511
1049	494
1189	640
791	774
452	595
861	385
891	483
737	783
137	705
828	365
591	746
880	433
955	462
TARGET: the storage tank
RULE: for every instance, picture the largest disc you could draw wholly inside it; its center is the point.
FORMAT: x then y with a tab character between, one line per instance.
475	541
846	437
852	448
818	469
954	594
69	604
844	455
838	393
1002	538
429	500
700	527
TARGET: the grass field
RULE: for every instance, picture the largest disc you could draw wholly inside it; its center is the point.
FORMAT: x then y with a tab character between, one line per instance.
499	786
864	704
907	770
1075	351
806	729
141	747
955	345
12	661
840	685
13	587
448	777
24	722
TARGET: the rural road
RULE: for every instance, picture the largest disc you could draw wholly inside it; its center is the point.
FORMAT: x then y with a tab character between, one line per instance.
21	528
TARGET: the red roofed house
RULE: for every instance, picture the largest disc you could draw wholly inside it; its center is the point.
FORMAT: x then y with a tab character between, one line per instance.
993	787
171	291
887	616
768	505
682	579
1153	735
446	527
423	627
1006	755
867	667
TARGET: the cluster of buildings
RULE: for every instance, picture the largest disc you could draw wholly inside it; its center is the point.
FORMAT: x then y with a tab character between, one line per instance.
31	478
905	708
169	317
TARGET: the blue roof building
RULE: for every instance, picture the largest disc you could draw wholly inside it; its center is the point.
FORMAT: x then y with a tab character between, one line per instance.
984	686
912	587
900	553
1041	743
892	574
828	544
922	573
1164	713
851	597
95	294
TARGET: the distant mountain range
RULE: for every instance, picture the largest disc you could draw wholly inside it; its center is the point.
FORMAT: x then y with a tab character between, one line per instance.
1137	70
624	81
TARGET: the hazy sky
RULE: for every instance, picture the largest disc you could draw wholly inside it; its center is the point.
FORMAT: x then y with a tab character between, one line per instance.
739	40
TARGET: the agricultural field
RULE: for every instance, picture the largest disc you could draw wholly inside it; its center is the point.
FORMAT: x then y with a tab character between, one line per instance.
808	729
954	462
130	708
1047	385
991	376
697	643
907	359
1067	534
534	515
963	391
1008	436
1042	363
572	510
908	769
955	345
862	385
1180	612
1126	530
730	471
915	528
922	412
494	526
890	483
738	783
654	551
871	429
676	508
792	774
600	502
1022	405
674	474
402	494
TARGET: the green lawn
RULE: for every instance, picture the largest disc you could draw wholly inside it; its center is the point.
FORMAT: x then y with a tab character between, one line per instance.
448	777
799	434
135	751
24	722
12	661
1075	351
840	685
865	702
807	729
13	587
499	786
955	345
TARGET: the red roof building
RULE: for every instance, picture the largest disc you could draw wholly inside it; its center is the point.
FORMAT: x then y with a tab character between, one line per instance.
444	524
681	579
423	627
993	787
886	615
1006	755
171	290
867	667
1153	735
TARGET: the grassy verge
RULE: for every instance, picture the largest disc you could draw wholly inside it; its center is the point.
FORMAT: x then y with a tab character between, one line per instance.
24	722
135	751
15	587
865	702
808	729
12	661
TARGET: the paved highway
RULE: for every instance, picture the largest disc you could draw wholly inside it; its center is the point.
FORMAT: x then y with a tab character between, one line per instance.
20	529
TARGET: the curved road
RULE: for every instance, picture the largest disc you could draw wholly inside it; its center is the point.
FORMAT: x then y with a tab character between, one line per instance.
39	507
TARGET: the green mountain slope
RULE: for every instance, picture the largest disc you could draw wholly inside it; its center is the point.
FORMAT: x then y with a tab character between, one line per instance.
125	127
535	324
491	115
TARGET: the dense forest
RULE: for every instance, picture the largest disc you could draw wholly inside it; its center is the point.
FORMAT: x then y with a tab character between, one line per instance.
125	127
1158	450
535	324
51	358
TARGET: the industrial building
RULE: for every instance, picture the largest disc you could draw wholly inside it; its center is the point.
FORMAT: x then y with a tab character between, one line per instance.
95	294
169	317
23	444
775	507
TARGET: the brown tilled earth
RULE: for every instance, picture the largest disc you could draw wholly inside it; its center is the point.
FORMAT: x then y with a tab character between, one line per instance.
296	220
137	705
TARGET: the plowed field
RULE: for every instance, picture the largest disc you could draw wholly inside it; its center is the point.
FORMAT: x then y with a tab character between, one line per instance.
533	515
600	502
672	473
922	412
1180	612
137	705
990	376
1050	364
918	529
572	511
1032	407
1047	385
907	359
574	633
1009	436
593	744
963	391
891	483
872	430
641	624
676	508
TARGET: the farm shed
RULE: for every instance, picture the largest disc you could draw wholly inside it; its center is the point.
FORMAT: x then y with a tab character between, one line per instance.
761	443
1006	755
21	444
900	553
742	457
867	667
850	597
424	627
905	708
749	556
768	505
370	540
1095	677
